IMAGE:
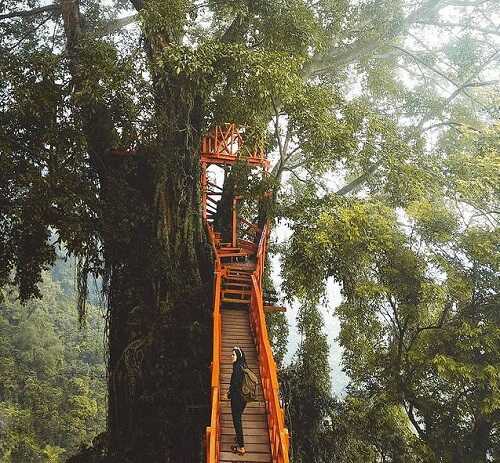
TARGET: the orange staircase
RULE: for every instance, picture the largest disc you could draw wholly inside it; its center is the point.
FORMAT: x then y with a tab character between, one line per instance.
238	318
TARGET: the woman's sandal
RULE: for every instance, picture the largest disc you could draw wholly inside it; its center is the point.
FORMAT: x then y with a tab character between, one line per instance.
238	450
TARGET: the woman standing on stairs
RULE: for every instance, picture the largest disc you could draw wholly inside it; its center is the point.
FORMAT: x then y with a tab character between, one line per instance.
238	404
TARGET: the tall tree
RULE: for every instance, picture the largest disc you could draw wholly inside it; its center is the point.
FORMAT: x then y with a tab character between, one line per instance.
418	322
307	387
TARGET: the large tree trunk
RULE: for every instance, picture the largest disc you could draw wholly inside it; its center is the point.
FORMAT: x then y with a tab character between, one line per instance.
159	303
158	272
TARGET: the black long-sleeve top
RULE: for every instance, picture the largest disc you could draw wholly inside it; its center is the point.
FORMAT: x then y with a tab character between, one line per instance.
236	382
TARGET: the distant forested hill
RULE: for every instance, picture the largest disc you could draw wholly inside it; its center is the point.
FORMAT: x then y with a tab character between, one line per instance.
52	373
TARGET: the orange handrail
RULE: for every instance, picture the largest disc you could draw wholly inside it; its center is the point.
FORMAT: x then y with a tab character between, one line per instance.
278	433
223	146
213	431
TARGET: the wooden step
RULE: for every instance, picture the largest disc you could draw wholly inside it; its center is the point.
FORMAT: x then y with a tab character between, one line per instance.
232	314
250	447
229	457
239	279
237	327
235	291
237	294
235	340
246	432
235	336
246	425
248	267
244	342
249	439
238	283
223	255
251	419
237	331
238	316
232	270
260	410
236	301
230	332
224	249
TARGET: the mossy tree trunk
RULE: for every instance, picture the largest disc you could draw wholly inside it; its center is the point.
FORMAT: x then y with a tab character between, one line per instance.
158	270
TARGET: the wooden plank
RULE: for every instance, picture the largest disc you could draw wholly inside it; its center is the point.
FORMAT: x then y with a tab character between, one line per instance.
243	343
240	323
246	432
259	439
228	247
235	291
231	340
247	348
258	410
247	417
250	447
236	327
239	279
237	333
236	324
249	421
236	301
240	341
229	457
222	255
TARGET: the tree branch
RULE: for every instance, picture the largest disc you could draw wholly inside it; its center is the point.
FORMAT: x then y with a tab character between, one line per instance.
337	57
414	422
116	24
356	183
137	4
236	30
460	26
27	13
453	124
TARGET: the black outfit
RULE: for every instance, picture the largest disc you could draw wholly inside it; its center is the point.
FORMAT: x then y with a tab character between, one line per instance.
238	404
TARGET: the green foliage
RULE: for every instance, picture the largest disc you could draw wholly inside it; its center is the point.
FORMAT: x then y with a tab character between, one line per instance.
306	385
419	326
52	397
